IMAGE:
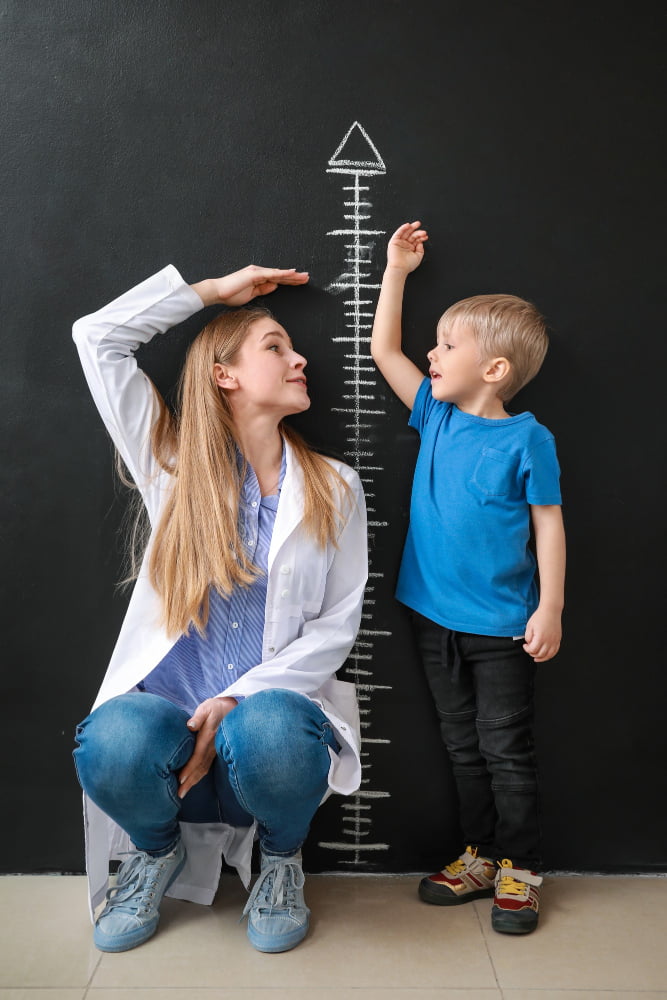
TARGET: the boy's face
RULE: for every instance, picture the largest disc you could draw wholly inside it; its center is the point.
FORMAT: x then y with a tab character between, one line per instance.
456	368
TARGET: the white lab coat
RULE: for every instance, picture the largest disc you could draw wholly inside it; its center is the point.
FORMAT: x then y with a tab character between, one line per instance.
314	595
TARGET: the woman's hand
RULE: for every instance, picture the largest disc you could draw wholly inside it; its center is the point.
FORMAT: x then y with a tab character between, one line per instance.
241	286
204	722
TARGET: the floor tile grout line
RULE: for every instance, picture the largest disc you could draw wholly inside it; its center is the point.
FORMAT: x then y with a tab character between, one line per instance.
92	976
488	952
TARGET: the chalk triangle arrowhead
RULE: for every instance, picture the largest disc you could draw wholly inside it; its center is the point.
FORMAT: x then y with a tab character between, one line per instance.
357	152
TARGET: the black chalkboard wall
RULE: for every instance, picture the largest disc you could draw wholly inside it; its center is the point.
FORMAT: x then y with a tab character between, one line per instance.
526	136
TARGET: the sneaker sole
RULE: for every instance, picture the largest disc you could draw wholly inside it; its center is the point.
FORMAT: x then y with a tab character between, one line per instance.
513	923
430	892
126	942
273	946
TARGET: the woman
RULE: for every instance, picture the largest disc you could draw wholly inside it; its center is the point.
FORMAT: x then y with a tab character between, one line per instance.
219	718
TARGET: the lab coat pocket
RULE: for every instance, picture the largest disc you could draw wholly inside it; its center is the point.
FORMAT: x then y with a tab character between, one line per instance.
310	610
302	592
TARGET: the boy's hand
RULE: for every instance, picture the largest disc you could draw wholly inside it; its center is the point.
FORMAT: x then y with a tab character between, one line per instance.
406	247
543	635
404	254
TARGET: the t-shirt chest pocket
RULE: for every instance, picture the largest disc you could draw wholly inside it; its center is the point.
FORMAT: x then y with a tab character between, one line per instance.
495	473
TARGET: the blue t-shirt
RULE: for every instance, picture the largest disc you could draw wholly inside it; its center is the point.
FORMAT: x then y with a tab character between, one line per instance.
466	562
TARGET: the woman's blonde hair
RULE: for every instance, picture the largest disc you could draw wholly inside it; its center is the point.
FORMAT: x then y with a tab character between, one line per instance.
197	544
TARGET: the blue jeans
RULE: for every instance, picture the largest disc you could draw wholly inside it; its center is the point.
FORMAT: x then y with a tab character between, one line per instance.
272	764
483	692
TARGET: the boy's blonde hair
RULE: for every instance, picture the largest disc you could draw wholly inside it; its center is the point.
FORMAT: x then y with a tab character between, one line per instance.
504	326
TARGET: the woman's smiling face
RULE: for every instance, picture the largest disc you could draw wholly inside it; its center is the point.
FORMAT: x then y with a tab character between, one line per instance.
267	373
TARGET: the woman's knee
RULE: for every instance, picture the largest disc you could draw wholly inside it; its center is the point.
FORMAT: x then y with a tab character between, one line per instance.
128	733
273	733
268	718
275	701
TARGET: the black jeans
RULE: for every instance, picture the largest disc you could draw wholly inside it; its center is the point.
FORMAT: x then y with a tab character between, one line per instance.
483	692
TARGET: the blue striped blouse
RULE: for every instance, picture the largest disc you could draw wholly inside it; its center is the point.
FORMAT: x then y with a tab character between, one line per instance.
197	667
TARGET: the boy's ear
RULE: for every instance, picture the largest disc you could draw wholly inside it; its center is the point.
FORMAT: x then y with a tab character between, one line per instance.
496	370
222	376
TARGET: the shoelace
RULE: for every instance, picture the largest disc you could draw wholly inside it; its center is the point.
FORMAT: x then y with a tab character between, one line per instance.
456	867
511	886
130	881
276	886
460	865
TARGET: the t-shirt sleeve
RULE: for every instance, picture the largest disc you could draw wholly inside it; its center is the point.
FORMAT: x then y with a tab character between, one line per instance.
422	406
542	474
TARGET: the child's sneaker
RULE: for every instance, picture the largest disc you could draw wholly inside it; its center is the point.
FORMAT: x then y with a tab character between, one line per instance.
517	899
469	877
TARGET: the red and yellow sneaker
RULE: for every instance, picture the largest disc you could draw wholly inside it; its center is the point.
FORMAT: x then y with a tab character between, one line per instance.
516	902
469	877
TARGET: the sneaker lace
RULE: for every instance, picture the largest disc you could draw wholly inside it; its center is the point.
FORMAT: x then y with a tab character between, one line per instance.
135	884
460	864
276	887
456	867
511	886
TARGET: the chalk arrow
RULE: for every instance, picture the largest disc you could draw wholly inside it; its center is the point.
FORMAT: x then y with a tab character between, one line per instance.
357	154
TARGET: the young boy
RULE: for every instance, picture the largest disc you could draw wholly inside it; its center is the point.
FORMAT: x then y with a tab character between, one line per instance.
468	575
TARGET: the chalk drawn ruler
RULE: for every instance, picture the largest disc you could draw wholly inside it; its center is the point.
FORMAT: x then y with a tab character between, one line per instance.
357	158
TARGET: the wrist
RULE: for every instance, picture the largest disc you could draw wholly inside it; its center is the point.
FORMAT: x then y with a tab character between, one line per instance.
206	291
551	605
228	703
394	272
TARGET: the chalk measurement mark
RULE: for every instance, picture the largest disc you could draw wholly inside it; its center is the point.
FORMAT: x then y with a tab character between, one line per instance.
358	159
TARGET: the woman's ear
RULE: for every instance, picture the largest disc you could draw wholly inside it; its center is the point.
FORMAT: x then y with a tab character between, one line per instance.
496	370
222	377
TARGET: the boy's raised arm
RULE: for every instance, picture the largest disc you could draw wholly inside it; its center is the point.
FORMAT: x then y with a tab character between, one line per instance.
404	253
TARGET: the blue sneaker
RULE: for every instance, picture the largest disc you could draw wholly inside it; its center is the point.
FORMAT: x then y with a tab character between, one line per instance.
132	912
277	913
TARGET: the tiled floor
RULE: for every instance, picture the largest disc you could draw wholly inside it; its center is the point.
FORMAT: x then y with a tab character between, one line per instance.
370	939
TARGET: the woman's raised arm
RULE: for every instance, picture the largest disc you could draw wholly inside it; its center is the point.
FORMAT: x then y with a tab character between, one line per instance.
107	341
241	286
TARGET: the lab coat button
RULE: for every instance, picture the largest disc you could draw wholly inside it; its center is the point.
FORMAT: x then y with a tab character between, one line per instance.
284	569
272	649
284	593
